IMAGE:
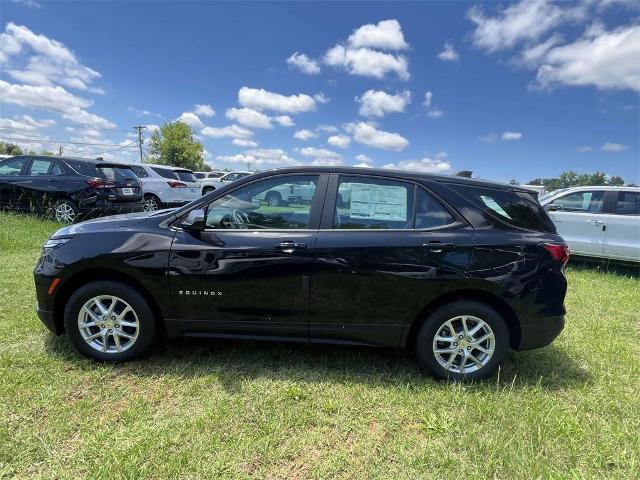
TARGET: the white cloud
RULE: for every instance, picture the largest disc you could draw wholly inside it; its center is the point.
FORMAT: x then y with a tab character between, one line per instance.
326	162
367	62
341	141
304	63
489	137
426	164
233	131
584	149
242	142
510	136
321	98
284	120
25	123
326	128
614	147
432	110
142	112
264	100
376	103
152	127
318	153
448	53
435	113
249	117
272	157
304	134
191	119
203	110
54	99
428	98
363	165
386	35
523	21
604	59
363	158
367	134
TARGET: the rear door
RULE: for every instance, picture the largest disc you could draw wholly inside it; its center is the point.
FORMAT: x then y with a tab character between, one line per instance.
11	173
622	234
247	273
385	248
579	219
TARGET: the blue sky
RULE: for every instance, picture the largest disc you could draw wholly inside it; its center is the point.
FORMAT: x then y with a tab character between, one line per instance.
522	89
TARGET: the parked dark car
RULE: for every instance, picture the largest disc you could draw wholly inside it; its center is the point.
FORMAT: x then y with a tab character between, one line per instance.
68	188
458	270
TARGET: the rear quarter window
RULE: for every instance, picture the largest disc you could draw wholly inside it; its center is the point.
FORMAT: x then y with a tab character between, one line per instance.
520	209
186	176
165	172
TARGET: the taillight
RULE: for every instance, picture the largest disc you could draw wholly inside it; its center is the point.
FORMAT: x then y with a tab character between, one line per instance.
99	183
560	253
176	184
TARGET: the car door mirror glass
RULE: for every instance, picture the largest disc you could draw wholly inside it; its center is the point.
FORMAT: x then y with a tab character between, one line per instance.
195	221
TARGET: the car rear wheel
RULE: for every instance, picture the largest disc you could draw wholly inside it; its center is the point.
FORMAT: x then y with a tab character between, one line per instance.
152	203
274	199
109	322
65	211
463	340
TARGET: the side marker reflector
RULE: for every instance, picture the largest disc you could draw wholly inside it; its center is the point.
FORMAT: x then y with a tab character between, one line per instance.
54	284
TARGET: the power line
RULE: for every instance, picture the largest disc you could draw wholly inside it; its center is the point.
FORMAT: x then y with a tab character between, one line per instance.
55	140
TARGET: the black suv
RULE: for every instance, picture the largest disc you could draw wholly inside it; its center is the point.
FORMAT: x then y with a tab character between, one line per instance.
68	188
457	269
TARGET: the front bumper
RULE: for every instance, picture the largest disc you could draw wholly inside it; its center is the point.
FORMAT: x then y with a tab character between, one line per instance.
46	317
541	333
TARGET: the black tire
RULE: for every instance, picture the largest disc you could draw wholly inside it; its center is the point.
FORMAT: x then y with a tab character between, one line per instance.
206	190
65	211
147	329
424	344
152	203
274	199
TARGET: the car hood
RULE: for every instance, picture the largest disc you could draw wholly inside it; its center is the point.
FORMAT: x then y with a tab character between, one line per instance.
112	222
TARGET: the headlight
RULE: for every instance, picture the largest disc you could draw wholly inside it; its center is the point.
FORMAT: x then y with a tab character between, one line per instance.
53	243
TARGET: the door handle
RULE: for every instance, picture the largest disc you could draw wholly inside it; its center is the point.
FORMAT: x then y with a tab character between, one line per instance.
289	247
594	222
438	247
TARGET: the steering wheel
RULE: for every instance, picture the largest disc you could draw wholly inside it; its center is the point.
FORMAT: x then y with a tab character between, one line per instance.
236	219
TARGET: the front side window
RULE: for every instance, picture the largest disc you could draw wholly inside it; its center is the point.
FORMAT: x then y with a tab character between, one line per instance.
276	203
139	171
582	202
368	203
12	166
628	203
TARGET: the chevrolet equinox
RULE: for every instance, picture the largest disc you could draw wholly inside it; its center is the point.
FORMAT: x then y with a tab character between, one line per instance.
458	270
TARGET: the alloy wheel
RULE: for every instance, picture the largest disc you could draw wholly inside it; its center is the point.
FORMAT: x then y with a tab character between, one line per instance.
65	213
464	344
108	324
150	204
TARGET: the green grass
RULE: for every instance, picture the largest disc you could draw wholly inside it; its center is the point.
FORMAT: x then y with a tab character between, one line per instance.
208	409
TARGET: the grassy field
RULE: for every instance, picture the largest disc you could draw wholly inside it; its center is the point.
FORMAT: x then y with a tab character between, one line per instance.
210	409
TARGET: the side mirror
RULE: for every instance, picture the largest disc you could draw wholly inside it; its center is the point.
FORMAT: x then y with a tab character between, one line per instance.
195	222
550	207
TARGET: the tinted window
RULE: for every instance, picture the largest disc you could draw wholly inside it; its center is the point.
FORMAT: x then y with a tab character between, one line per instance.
366	203
44	166
139	171
83	168
200	175
12	166
628	203
214	175
186	175
115	174
429	212
520	209
277	203
165	172
587	202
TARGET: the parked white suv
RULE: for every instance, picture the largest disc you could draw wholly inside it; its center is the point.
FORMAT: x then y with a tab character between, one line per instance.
210	184
165	186
598	221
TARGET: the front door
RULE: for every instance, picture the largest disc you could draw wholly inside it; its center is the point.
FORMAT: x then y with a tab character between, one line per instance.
385	249
11	172
247	273
580	222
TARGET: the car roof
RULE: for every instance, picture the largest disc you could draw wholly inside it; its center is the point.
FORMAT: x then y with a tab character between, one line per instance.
157	165
594	187
402	174
93	161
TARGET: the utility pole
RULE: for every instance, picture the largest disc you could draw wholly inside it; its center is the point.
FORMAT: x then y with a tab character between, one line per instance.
60	151
139	128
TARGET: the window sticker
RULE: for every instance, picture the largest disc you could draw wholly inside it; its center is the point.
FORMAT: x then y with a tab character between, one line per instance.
378	202
586	200
493	205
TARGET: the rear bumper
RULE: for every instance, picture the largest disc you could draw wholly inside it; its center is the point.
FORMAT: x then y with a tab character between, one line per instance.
541	333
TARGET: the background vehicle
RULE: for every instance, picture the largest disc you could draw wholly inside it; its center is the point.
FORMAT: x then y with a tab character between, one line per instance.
601	222
68	187
210	184
459	270
166	186
205	175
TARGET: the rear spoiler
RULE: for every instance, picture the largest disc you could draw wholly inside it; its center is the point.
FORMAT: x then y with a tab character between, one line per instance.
112	165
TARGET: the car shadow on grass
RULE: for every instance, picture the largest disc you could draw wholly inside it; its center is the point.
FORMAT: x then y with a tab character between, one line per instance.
604	265
235	362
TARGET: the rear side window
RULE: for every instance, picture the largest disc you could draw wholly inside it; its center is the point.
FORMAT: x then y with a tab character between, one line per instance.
139	171
519	209
581	202
165	172
186	175
369	203
12	167
200	175
429	212
628	203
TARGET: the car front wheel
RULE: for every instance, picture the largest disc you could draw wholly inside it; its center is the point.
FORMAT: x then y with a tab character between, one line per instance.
464	340
109	322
